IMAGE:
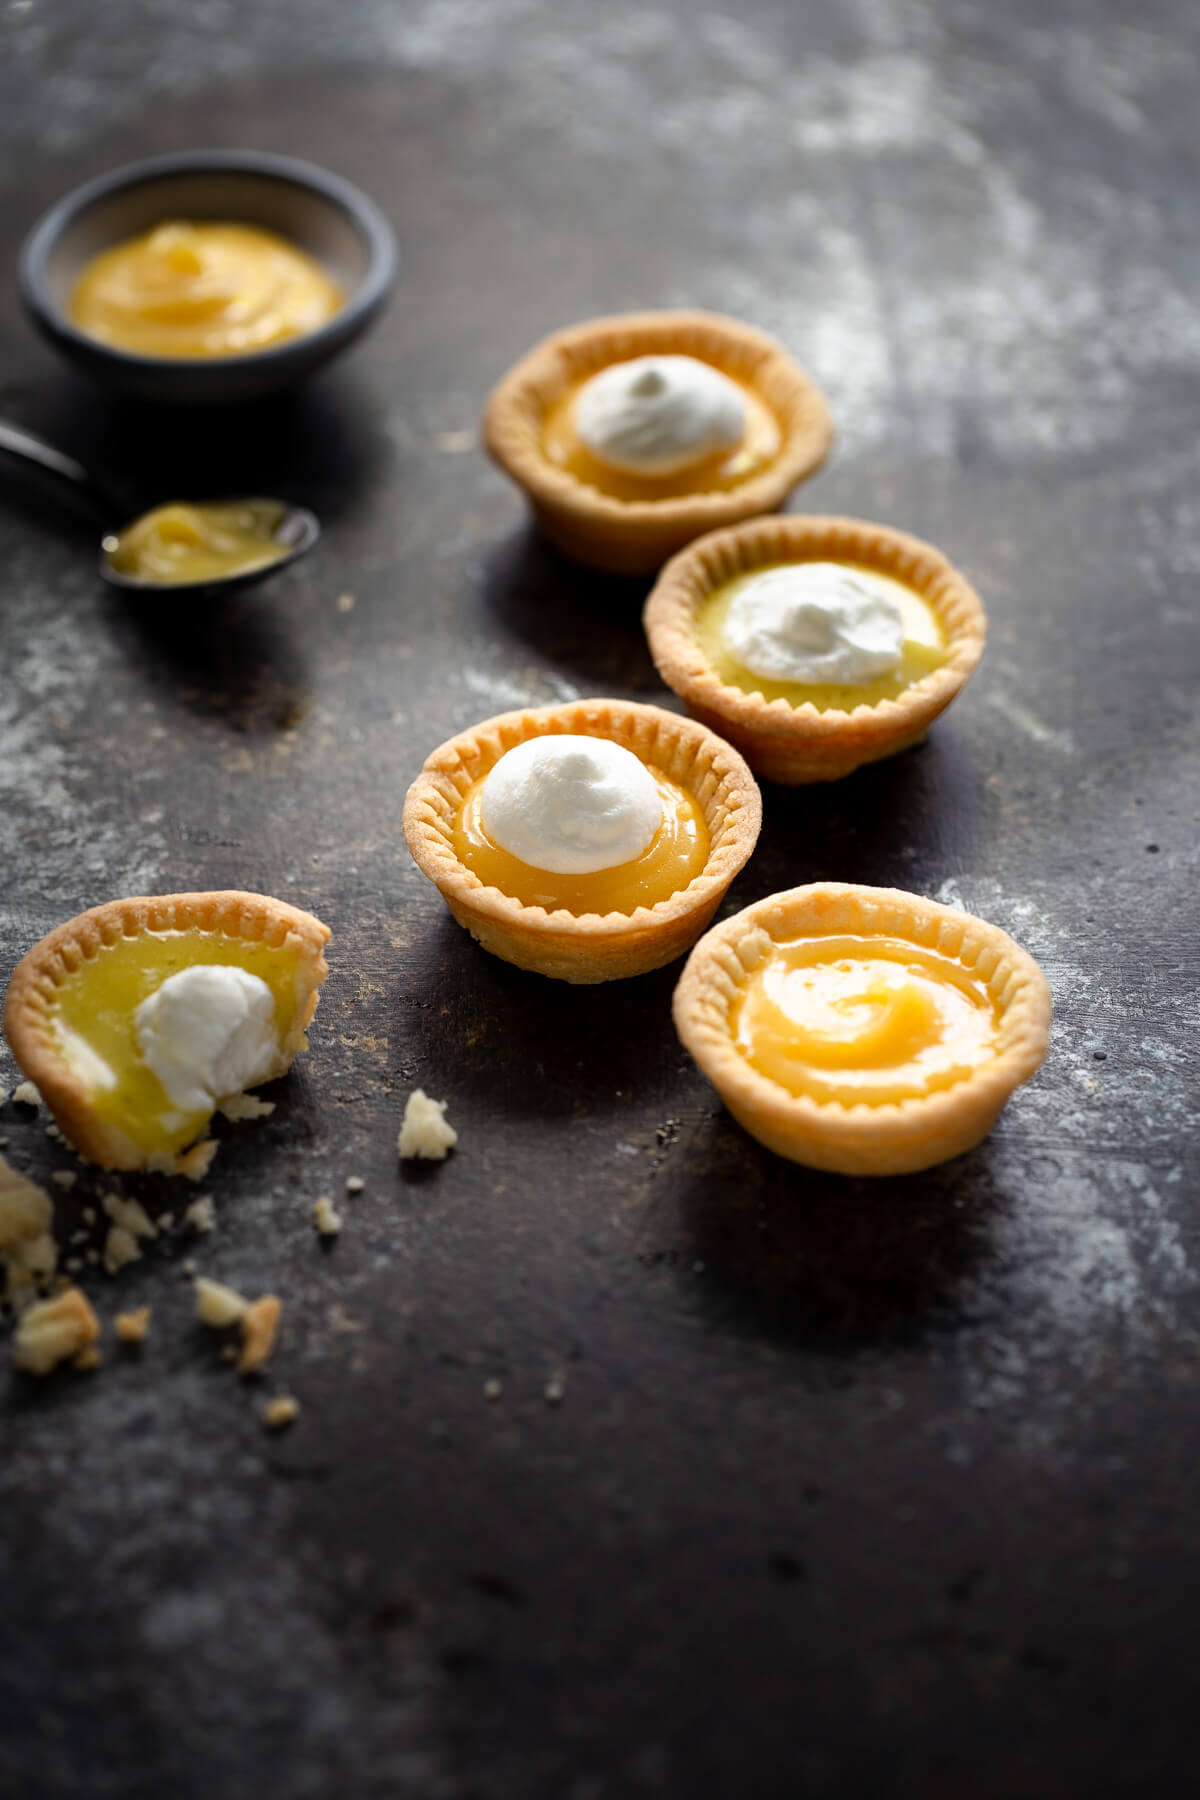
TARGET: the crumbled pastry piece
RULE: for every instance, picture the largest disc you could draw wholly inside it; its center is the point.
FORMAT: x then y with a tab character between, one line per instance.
260	1326
201	1215
425	1131
326	1217
280	1412
28	1252
355	1184
165	1221
246	1106
218	1305
55	1330
193	1164
27	1094
120	1248
131	1215
65	1179
89	1358
132	1327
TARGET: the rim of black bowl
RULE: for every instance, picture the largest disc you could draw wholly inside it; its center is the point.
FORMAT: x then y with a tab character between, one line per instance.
34	287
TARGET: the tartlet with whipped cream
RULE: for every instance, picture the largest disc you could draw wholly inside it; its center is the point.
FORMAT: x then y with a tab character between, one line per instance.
587	842
634	434
814	644
863	1030
139	1018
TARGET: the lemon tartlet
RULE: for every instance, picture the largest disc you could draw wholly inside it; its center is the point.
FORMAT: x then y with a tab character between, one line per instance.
862	1030
139	1018
585	920
792	730
588	446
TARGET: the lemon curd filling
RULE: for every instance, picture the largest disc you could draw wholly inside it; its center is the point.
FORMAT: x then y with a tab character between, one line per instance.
183	542
195	290
923	649
856	1019
675	855
759	446
93	1018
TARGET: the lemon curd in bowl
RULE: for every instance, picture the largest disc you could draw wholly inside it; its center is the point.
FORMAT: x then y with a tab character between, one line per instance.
72	1012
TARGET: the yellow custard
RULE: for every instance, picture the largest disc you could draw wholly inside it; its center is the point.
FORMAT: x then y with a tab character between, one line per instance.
675	855
760	444
857	1019
924	649
196	290
185	542
93	1018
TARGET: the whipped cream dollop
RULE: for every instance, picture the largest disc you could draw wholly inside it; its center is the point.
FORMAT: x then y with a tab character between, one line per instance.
570	804
815	622
207	1033
657	415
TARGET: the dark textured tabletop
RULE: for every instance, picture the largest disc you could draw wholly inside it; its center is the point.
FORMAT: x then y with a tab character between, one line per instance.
632	1460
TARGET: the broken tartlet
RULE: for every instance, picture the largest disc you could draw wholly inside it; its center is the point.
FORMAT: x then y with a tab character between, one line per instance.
862	1030
139	1018
814	644
633	435
587	841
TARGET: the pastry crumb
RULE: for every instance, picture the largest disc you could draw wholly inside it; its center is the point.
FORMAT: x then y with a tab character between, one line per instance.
492	1388
355	1184
218	1305
65	1179
120	1248
53	1331
280	1412
130	1215
326	1217
553	1393
197	1161
345	603
27	1094
28	1252
88	1358
260	1326
424	1131
245	1106
201	1215
131	1327
165	1221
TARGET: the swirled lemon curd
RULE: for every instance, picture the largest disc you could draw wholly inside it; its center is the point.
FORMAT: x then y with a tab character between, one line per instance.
659	428
202	289
184	542
873	1020
674	856
788	630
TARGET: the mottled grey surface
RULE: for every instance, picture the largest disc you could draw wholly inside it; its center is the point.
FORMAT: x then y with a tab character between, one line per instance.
853	1489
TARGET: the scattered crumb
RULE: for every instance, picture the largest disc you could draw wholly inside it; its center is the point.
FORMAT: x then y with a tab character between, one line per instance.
73	1264
89	1358
53	1330
131	1327
345	603
79	1237
201	1215
553	1393
245	1106
453	443
260	1324
52	1131
218	1305
280	1412
27	1094
130	1215
424	1131
165	1221
65	1179
28	1252
492	1389
355	1184
188	1266
89	1215
196	1163
120	1247
326	1217
91	1256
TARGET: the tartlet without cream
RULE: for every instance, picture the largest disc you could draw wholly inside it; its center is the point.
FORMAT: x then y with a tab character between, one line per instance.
562	938
910	1026
792	739
71	1006
634	526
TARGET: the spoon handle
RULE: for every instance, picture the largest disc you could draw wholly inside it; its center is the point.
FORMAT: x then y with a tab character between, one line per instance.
27	448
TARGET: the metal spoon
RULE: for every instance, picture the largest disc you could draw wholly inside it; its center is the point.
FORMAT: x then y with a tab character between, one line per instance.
297	531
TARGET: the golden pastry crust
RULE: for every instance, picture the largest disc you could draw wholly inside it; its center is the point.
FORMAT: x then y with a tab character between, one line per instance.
586	947
788	743
635	537
858	1138
29	1003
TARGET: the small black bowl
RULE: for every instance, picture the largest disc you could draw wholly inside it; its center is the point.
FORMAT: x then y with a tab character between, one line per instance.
322	214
